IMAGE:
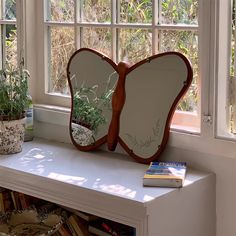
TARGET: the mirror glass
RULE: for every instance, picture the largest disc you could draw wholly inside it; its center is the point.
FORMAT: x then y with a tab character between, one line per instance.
153	87
92	79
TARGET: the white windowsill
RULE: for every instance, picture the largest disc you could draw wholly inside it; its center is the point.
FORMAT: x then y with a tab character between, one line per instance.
59	173
52	123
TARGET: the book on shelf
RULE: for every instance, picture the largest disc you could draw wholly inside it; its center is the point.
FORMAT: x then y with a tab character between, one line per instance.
104	227
79	225
6	202
24	200
64	231
165	174
84	215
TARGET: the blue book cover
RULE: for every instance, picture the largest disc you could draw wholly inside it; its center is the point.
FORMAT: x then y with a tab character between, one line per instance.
165	174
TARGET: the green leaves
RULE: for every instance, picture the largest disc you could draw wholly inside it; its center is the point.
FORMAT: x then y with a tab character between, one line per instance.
13	91
88	107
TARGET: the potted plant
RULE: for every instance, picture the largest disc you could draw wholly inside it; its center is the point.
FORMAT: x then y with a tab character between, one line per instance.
13	101
88	112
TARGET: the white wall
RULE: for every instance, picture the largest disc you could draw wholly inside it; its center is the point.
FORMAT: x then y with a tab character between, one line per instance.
225	170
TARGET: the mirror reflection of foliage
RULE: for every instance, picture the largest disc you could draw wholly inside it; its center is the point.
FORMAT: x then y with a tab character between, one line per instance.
89	107
179	11
136	11
10	9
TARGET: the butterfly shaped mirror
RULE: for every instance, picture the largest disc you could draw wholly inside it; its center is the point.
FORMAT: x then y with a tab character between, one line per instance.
92	79
129	105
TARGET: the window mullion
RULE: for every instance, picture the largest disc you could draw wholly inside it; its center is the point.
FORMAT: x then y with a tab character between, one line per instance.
3	44
20	30
114	18
154	24
234	1
77	16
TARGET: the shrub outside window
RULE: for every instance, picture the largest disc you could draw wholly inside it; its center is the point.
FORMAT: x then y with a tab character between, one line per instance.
8	32
124	30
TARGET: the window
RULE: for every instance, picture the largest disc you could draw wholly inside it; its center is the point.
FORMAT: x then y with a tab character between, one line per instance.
8	32
123	30
231	105
226	86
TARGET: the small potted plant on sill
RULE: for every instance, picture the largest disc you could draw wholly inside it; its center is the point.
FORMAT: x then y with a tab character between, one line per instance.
13	101
88	112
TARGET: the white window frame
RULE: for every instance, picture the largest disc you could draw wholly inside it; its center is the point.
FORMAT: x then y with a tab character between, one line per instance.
19	24
210	45
45	97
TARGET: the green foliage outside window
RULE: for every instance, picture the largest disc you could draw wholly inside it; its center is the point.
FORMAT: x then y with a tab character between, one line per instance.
133	44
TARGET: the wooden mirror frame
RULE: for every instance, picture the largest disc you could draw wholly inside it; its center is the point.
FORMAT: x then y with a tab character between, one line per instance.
118	101
102	140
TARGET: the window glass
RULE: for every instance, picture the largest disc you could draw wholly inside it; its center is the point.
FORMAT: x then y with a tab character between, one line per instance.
11	44
231	105
96	11
97	38
179	12
134	44
125	31
136	11
185	42
62	10
61	48
8	33
9	9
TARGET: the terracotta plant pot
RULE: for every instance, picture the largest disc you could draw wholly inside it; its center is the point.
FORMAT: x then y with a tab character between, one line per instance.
11	136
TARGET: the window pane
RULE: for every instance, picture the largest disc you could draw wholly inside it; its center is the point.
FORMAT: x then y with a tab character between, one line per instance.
10	10
134	44
62	47
96	11
61	10
136	11
179	12
98	39
11	45
185	42
233	34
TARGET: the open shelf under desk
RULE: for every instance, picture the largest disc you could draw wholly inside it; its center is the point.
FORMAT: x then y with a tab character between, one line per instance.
110	185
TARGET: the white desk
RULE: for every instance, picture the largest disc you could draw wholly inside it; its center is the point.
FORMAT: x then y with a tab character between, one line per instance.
110	185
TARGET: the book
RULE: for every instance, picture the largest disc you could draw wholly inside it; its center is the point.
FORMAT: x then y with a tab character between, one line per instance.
105	227
64	231
79	225
23	201
101	228
84	215
6	202
71	229
165	174
16	200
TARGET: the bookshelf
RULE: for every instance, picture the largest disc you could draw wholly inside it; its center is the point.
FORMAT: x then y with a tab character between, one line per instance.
109	185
